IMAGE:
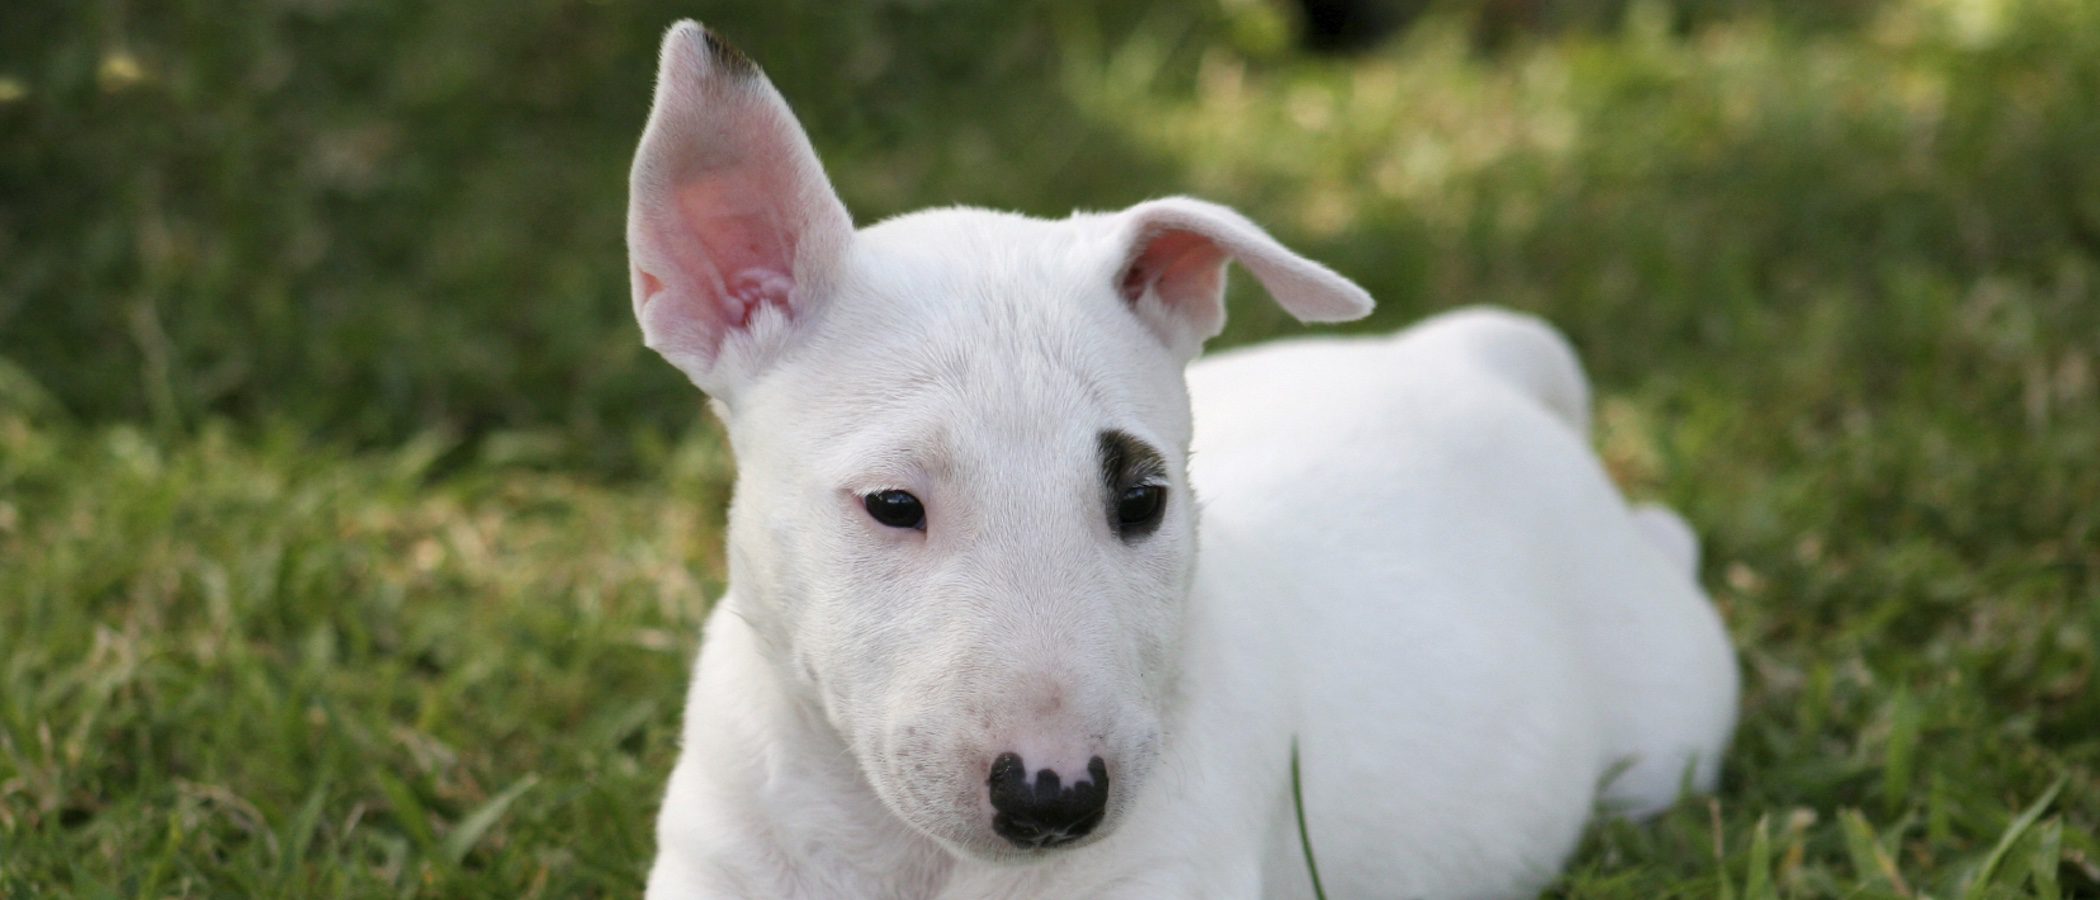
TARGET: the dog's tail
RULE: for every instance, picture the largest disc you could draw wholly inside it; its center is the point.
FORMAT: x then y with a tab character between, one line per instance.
1523	350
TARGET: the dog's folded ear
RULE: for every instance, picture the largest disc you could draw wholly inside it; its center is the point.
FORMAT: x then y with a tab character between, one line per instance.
1173	271
733	232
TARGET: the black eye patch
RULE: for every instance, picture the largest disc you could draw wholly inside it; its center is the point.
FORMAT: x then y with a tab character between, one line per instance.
1133	483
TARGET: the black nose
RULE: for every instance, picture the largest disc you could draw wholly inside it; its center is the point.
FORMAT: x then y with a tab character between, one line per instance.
1047	813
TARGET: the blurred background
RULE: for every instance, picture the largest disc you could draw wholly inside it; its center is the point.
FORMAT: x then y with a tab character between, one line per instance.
350	542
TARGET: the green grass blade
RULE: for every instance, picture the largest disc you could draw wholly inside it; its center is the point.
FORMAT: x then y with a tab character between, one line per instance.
298	837
408	811
2012	835
1872	864
1726	881
1312	868
1757	882
1899	760
477	823
2042	862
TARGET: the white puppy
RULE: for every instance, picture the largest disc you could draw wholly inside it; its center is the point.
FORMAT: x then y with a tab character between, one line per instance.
993	630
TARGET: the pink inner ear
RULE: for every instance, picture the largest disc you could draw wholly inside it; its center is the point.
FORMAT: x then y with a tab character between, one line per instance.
1181	265
748	250
729	254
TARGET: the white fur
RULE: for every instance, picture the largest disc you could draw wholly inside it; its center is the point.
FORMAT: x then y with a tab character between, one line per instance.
1411	563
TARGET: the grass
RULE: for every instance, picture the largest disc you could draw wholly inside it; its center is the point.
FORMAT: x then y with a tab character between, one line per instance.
351	545
1305	841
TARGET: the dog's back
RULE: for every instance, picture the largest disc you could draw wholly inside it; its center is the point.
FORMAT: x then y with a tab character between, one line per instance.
1458	573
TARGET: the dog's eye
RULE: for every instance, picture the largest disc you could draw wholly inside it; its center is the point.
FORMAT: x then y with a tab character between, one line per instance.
897	509
1138	509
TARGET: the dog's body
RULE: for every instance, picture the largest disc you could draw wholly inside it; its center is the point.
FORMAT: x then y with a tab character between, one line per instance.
1411	565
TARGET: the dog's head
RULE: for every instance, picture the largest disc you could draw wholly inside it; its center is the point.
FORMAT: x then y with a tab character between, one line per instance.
963	525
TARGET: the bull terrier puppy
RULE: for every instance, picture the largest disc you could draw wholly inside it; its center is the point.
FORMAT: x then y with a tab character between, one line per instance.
1023	604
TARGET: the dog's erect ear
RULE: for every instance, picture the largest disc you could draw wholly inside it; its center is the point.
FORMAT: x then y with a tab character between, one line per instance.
1173	273
733	232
